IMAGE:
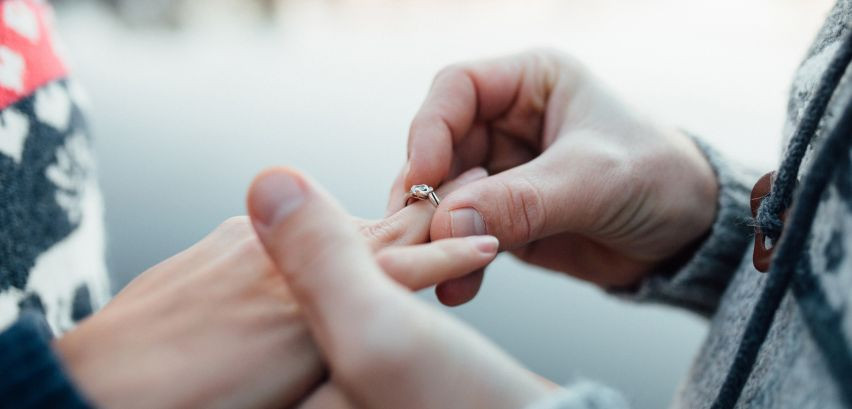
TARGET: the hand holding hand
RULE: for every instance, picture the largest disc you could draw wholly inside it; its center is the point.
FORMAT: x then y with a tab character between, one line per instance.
580	184
385	348
217	326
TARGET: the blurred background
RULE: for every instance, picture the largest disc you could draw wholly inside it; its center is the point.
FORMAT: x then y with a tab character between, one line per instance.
190	99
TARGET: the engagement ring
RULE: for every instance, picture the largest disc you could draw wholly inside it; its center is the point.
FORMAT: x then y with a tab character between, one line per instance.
423	192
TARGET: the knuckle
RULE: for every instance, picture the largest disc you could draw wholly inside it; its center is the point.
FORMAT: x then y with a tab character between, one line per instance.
235	225
232	230
525	202
240	241
450	72
427	122
555	58
546	54
418	124
382	232
565	61
556	65
249	247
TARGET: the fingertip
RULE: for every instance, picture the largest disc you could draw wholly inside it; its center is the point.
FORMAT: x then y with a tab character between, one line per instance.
485	245
275	193
313	244
460	290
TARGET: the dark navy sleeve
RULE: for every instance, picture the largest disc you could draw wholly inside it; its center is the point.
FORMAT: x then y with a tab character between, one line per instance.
31	374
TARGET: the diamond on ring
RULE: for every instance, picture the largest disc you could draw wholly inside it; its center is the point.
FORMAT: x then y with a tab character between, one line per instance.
423	192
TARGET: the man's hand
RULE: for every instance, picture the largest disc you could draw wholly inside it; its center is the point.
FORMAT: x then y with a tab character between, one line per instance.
398	242
580	184
384	347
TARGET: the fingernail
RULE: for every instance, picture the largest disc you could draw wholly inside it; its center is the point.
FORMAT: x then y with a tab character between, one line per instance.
485	244
275	196
466	222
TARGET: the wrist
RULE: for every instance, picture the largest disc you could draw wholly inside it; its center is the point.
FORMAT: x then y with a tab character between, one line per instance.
706	188
71	353
106	364
78	352
693	189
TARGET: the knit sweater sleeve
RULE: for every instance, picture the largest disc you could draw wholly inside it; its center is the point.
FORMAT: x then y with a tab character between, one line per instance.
33	376
697	284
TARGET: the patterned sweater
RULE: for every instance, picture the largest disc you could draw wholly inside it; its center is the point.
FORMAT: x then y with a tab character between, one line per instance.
52	270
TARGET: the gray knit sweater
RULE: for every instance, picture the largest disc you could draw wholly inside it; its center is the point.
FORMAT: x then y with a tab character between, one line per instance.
791	370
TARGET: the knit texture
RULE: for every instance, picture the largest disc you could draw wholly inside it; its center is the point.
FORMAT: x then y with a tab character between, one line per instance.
32	374
51	224
789	257
768	219
52	269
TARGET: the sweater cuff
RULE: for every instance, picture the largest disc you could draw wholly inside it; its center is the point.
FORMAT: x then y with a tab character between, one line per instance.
33	376
582	395
698	283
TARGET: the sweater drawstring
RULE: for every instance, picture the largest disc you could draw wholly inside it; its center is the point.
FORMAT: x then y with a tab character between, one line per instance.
791	245
768	219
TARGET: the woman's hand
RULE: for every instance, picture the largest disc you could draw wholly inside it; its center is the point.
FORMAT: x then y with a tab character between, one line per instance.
384	347
580	184
217	326
214	326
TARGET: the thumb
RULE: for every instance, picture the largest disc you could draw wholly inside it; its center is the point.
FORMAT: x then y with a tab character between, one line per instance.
327	264
520	205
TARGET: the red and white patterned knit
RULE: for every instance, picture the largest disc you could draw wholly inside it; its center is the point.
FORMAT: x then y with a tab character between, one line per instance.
51	224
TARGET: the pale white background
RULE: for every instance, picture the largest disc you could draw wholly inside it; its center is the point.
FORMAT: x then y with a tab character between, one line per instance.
184	119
